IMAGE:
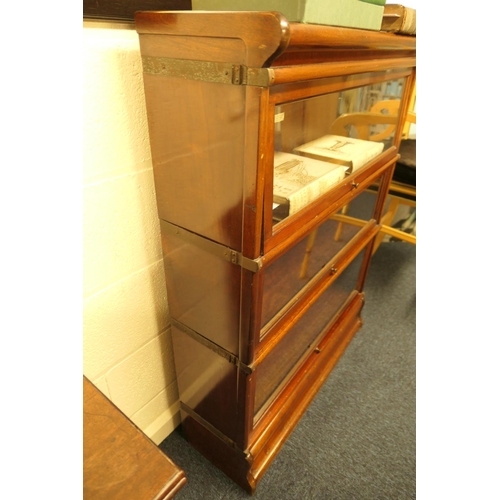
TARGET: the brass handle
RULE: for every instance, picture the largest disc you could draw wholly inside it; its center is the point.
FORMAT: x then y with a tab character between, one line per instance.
355	184
333	270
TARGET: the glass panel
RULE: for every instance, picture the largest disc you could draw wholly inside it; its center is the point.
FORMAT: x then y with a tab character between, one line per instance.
273	370
285	277
320	140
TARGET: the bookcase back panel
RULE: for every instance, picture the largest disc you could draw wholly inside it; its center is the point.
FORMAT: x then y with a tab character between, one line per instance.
282	362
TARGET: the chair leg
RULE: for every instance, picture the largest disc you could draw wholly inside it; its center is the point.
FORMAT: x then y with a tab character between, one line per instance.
386	220
398	234
409	222
340	224
406	226
305	260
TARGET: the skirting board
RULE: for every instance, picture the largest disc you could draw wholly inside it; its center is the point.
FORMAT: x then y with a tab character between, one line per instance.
161	427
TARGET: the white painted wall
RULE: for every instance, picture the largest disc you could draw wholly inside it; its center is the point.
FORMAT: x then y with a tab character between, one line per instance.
127	347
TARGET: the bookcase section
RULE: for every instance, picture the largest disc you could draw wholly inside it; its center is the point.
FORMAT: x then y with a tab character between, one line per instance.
273	145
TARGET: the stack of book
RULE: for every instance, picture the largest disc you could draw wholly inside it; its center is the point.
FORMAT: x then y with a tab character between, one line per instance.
346	151
314	168
299	180
399	19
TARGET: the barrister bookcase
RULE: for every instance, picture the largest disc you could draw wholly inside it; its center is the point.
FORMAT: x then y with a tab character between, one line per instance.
262	302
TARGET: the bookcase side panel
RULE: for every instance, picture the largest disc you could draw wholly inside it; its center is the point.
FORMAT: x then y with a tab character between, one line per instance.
209	387
203	291
197	136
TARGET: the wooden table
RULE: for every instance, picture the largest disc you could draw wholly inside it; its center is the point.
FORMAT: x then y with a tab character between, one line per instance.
119	460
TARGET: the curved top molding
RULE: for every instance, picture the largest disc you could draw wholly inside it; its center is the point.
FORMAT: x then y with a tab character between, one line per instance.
270	40
250	27
309	36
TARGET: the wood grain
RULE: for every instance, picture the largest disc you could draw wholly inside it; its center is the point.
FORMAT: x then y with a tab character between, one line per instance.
119	460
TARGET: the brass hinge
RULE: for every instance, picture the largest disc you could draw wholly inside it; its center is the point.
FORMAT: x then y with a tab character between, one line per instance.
232	256
208	71
232	358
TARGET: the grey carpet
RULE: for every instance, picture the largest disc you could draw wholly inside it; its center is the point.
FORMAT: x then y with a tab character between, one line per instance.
357	439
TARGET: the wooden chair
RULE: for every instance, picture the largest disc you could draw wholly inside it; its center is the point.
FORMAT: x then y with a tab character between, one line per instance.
402	190
378	125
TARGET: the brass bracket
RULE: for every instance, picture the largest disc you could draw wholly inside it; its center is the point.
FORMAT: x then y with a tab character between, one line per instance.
208	71
232	256
233	359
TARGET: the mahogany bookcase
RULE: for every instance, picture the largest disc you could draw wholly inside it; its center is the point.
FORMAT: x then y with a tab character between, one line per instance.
262	306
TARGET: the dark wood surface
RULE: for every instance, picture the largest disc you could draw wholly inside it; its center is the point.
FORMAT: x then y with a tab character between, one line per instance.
124	10
203	291
210	385
119	461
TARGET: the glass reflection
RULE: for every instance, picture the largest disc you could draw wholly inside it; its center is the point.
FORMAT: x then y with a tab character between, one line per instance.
320	140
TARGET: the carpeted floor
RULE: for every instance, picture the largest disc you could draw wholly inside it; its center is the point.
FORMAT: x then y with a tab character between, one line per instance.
357	439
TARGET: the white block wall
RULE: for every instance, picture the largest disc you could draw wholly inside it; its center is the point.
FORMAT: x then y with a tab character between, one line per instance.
127	346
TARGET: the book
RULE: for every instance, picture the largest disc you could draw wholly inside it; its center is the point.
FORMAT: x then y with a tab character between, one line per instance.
351	153
346	13
399	19
299	180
